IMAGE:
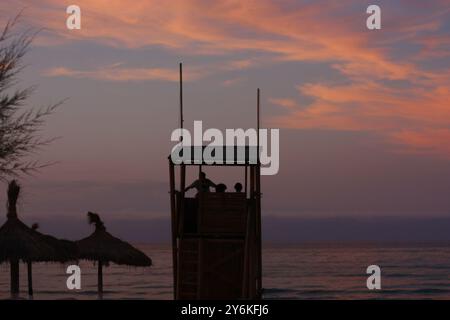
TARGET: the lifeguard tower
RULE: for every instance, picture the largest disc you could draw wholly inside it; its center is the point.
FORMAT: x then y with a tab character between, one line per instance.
216	237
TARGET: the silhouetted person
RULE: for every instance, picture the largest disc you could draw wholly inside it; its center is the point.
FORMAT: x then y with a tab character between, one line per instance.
238	187
221	187
202	184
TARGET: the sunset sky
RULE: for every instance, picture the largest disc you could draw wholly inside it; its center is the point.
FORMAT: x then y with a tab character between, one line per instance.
364	115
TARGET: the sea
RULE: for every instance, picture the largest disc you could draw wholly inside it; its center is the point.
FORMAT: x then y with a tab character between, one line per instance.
307	271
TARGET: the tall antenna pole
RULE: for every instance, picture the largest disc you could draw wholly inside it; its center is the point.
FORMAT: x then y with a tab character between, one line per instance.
181	96
257	120
180	213
258	209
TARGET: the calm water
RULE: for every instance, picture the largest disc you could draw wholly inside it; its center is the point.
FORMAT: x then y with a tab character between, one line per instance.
290	272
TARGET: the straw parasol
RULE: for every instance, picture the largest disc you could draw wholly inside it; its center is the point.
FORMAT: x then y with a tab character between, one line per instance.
104	248
65	251
18	242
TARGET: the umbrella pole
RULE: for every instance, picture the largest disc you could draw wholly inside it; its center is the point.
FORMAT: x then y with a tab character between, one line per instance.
14	268
30	279
100	280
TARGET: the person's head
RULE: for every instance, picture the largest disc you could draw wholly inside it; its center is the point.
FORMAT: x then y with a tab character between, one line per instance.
238	187
221	187
202	175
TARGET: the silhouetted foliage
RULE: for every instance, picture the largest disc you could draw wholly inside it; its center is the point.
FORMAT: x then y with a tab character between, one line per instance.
19	128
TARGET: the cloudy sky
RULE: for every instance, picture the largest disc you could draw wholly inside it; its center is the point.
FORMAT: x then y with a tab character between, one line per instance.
364	116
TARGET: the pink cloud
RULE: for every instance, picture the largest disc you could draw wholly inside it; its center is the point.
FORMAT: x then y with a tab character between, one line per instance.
284	102
119	73
333	34
219	27
429	141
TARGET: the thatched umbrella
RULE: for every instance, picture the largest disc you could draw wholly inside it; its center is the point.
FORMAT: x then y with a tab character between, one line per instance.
103	248
65	251
18	242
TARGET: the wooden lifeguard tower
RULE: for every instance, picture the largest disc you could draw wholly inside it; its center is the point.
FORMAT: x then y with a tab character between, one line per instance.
216	237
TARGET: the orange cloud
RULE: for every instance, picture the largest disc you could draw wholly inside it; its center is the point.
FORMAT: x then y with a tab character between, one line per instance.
241	64
118	73
219	27
391	93
284	102
417	117
232	82
430	141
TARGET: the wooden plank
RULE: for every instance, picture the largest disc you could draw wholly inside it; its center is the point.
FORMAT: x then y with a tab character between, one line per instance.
258	232
174	226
